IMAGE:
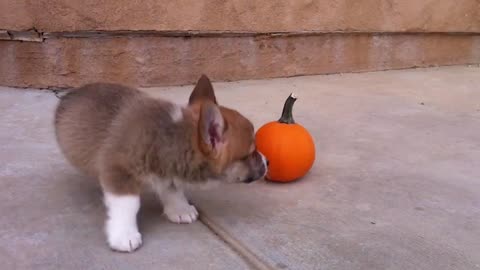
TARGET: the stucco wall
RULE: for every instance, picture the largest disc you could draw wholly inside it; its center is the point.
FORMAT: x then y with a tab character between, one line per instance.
243	15
153	61
150	42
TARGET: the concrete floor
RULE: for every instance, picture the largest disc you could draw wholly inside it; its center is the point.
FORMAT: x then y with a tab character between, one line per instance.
396	184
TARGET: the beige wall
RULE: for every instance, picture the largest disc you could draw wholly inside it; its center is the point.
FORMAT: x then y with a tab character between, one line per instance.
153	61
243	15
393	34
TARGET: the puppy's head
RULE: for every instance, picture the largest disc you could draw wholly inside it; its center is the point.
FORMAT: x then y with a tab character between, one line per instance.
225	137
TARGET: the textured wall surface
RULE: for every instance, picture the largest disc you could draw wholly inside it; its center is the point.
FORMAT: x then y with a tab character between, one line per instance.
151	61
157	42
242	15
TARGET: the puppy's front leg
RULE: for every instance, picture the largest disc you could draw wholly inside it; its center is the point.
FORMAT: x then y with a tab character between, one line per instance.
175	205
121	225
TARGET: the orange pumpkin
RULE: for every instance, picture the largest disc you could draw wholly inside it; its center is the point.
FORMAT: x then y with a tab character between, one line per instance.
288	146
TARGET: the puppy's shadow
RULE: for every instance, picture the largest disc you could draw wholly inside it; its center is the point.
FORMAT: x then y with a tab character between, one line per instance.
85	194
83	190
151	215
231	206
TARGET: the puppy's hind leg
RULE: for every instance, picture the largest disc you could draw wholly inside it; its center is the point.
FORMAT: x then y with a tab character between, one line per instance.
122	208
175	204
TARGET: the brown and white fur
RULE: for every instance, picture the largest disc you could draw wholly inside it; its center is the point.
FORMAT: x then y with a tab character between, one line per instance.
129	140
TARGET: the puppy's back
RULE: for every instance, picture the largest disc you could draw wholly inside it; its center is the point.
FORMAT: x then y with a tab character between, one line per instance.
83	118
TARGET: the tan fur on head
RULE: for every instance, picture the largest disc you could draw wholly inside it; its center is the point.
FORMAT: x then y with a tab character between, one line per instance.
225	136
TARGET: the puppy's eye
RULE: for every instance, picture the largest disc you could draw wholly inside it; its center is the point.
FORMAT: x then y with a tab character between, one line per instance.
245	157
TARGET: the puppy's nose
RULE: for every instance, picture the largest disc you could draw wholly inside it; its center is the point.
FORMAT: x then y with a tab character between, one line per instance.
268	162
249	180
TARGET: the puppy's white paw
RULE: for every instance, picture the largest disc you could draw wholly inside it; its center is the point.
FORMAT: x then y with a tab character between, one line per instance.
181	213
125	241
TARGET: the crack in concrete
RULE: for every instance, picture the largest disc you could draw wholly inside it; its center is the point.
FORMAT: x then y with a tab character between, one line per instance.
237	246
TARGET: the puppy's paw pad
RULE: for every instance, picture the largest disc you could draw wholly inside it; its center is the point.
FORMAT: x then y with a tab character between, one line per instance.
125	242
182	214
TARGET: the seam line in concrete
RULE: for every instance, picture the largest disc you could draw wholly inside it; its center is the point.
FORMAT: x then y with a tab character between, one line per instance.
236	245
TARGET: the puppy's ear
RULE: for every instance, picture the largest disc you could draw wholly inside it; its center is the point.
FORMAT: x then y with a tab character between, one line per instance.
203	91
211	127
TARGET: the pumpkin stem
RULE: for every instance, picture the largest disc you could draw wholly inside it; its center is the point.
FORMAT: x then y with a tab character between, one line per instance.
287	116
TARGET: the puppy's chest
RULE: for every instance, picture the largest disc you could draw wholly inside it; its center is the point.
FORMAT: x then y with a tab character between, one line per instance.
179	172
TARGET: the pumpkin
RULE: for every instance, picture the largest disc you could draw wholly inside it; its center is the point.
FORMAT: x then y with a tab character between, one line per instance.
287	145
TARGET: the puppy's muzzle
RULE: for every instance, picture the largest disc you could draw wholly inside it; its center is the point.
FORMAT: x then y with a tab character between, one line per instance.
260	168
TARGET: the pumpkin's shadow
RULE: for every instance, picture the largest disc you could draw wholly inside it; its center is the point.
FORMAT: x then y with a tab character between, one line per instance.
304	178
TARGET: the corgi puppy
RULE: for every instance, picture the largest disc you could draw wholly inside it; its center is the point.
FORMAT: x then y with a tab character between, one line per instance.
129	141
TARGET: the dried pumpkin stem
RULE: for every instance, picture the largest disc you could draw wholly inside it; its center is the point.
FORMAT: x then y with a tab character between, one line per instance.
287	116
